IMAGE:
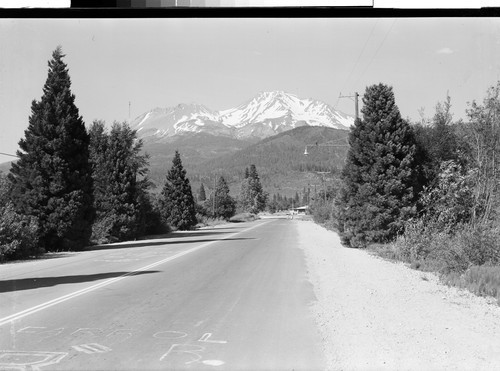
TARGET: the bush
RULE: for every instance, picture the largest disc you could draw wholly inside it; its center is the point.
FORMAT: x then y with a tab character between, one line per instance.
208	221
18	235
322	213
428	247
243	217
466	256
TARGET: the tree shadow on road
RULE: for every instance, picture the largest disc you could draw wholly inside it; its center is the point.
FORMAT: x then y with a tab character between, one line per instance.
38	282
183	234
129	245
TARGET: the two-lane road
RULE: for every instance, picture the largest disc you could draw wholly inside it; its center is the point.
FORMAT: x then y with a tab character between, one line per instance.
230	297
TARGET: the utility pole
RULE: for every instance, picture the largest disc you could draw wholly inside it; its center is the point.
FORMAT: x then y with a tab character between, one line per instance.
129	111
355	96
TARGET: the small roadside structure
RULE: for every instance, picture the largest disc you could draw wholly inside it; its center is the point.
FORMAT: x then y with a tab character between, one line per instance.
302	210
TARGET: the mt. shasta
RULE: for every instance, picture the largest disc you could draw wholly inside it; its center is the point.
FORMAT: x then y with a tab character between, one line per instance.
267	114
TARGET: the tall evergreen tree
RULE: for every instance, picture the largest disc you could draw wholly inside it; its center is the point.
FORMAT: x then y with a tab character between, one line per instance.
52	179
120	182
202	196
177	205
225	205
378	177
252	197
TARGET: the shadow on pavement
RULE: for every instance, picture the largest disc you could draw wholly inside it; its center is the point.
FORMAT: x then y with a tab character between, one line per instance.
183	234
158	243
36	283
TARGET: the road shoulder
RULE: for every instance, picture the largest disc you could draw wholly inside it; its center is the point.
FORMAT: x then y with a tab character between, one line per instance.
375	314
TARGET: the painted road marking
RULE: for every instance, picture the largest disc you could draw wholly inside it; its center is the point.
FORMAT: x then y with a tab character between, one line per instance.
170	335
92	331
213	362
205	339
91	348
51	303
191	350
34	361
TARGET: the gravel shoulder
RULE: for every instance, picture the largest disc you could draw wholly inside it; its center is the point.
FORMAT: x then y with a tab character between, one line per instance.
378	315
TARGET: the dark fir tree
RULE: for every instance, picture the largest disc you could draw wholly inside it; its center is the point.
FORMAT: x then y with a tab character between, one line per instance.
52	179
378	194
224	205
176	201
202	196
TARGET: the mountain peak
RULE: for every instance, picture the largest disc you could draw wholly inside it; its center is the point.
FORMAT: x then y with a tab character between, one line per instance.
268	113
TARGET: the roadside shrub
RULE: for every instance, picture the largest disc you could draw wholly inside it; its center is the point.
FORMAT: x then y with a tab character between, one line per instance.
386	251
18	235
113	227
206	221
243	217
415	243
322	213
427	246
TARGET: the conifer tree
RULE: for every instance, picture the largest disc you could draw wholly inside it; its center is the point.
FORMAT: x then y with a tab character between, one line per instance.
252	197
177	205
225	205
379	177
120	183
202	196
52	179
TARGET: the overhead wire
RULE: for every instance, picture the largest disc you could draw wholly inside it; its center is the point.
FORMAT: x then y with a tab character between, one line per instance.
376	52
8	154
357	61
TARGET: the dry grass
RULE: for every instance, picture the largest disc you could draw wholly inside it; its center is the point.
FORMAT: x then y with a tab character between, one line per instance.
481	280
468	257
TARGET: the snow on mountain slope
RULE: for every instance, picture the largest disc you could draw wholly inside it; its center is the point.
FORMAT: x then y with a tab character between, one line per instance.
267	114
183	118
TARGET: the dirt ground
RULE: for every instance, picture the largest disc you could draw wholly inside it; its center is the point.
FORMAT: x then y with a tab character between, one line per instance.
379	315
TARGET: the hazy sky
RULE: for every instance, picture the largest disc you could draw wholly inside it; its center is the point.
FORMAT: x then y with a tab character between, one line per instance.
222	63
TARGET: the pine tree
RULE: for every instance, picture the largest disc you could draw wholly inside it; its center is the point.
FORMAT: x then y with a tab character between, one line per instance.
120	183
177	205
202	196
225	205
379	177
252	197
52	179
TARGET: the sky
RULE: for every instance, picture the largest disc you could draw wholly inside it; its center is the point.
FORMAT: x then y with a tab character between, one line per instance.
222	63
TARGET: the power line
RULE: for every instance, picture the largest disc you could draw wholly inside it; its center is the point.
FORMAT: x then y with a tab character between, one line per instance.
376	52
8	154
357	60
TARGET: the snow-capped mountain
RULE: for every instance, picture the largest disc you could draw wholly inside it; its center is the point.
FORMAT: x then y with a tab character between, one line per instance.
183	118
267	114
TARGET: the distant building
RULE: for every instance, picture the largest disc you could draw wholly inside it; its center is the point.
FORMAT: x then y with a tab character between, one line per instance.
299	210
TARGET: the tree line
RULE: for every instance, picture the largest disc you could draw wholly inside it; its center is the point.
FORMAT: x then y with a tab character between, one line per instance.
72	187
427	191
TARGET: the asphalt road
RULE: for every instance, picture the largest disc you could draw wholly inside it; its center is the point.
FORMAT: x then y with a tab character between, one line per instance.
226	298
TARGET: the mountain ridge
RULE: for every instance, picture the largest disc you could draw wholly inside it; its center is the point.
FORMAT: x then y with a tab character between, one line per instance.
267	114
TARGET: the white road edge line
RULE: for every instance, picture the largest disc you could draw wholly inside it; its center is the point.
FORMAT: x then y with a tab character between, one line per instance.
50	303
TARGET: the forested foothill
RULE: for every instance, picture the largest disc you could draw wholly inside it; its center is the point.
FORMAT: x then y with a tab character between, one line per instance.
425	193
73	187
